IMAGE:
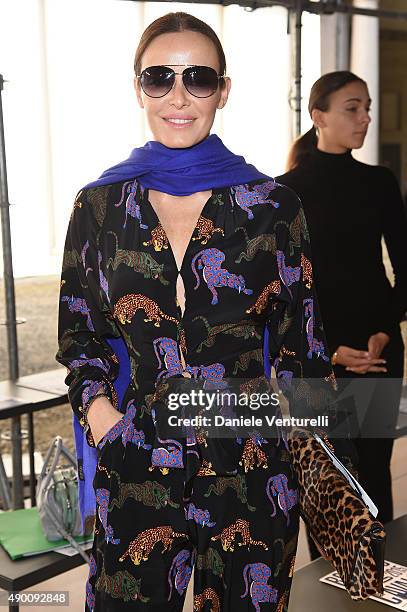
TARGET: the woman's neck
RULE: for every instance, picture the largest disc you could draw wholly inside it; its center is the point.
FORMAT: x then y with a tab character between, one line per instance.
165	199
332	148
328	159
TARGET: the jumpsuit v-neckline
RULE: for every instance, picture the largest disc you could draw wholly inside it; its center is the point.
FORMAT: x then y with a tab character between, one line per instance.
170	251
204	211
172	262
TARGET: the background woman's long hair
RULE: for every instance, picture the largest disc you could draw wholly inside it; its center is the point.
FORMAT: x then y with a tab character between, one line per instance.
319	98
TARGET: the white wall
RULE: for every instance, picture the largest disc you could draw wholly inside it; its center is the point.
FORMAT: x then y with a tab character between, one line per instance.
257	122
70	109
365	63
26	133
94	118
310	63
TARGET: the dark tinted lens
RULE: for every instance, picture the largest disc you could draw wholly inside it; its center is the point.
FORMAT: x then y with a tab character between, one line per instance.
157	81
200	81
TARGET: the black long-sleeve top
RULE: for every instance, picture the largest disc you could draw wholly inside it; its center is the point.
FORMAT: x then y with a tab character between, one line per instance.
246	265
349	207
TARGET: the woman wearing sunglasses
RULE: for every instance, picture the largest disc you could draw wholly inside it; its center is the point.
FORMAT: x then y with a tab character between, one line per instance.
175	261
349	207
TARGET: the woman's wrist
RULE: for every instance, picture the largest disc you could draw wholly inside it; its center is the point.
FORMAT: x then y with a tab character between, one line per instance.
383	336
95	398
101	417
334	357
100	407
88	422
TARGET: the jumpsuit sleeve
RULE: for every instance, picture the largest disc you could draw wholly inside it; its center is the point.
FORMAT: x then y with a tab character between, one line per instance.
395	236
297	343
84	320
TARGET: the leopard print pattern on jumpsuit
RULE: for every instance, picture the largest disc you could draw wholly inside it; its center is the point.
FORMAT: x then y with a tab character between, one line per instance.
206	229
227	536
127	306
251	452
207	595
261	302
306	271
158	240
140	548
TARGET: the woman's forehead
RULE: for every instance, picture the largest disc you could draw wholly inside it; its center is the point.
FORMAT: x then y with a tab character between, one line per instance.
355	91
181	48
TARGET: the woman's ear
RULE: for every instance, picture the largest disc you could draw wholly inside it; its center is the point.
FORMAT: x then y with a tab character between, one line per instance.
137	88
224	93
317	117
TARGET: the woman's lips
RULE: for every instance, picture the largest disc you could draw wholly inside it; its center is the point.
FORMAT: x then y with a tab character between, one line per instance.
178	122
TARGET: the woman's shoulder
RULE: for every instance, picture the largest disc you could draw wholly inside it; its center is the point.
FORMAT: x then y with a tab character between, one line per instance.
297	178
96	200
375	171
378	178
285	202
95	192
294	173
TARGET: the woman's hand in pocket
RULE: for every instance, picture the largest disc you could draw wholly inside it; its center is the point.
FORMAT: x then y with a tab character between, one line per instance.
102	416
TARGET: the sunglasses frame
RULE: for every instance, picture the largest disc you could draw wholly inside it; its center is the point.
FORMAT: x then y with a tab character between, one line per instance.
219	76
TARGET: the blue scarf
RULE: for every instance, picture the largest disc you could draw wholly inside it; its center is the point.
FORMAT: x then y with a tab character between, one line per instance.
181	172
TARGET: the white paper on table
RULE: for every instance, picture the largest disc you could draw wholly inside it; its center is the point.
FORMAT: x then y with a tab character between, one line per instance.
352	481
394	583
70	551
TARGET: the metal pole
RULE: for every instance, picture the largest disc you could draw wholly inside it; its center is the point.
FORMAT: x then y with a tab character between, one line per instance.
11	323
342	40
297	66
31	447
4	487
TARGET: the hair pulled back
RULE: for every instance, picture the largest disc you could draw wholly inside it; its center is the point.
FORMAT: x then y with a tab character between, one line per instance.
178	22
319	98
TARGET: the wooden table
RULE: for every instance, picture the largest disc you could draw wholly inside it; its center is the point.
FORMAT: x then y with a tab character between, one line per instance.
25	396
26	572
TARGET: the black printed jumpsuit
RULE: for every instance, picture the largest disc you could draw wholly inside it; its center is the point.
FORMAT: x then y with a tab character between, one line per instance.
247	266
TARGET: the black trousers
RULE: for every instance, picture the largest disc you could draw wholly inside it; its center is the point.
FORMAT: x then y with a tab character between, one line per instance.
375	445
237	534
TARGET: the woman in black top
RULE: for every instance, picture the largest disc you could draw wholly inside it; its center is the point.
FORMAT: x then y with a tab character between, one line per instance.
349	207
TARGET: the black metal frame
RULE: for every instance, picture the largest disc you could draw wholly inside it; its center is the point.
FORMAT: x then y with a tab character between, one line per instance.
323	7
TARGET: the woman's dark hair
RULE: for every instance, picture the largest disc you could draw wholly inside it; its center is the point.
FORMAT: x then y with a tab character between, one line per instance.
319	98
178	22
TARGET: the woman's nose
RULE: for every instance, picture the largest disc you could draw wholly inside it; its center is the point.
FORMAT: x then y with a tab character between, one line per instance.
178	94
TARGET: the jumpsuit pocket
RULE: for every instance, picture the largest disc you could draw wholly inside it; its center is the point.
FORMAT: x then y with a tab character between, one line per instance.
118	429
112	434
107	458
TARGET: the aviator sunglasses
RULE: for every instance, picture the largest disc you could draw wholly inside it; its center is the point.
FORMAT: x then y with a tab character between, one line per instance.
200	81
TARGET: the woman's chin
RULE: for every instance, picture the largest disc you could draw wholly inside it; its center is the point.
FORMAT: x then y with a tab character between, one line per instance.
175	137
178	141
357	143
